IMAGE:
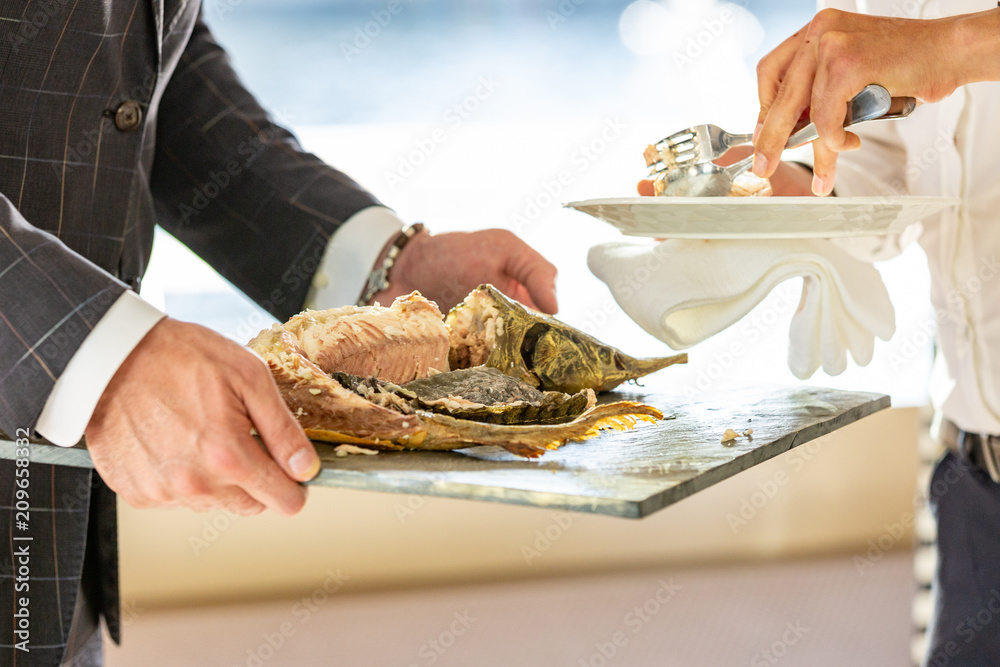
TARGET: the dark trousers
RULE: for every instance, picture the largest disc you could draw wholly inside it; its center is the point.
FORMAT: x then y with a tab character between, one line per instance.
965	628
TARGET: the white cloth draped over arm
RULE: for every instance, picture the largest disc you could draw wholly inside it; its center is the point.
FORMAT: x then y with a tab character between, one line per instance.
684	292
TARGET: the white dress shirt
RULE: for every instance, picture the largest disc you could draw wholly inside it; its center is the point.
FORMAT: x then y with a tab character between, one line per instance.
340	279
948	149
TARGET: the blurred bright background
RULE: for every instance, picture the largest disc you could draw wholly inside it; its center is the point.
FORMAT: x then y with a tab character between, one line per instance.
522	91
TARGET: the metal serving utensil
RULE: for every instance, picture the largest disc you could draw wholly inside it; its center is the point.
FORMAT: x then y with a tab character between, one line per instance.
700	143
710	180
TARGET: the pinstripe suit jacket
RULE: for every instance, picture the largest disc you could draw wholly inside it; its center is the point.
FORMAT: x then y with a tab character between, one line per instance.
80	193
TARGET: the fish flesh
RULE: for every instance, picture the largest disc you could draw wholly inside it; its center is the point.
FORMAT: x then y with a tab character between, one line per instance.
488	328
375	414
403	342
746	184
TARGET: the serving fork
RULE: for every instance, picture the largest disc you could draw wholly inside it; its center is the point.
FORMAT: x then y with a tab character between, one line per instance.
703	178
707	142
700	143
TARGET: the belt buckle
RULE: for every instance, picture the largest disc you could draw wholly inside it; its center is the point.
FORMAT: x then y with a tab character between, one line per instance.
989	446
983	450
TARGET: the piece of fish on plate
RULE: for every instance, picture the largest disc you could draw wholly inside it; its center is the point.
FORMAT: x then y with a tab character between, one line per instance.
746	184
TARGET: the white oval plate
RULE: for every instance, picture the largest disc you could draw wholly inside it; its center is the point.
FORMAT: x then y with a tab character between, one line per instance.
762	217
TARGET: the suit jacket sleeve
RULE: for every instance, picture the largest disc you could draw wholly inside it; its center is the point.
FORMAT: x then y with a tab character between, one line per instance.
50	300
238	189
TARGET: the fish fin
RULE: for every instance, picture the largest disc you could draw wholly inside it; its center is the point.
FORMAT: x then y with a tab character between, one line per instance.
334	437
531	441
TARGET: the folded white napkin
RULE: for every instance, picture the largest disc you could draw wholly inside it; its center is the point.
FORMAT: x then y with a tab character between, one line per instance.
685	291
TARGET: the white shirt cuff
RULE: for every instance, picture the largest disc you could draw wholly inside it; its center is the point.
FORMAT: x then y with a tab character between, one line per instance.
350	257
77	391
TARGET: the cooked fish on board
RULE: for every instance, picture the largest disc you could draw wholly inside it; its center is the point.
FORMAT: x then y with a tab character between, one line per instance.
380	377
373	413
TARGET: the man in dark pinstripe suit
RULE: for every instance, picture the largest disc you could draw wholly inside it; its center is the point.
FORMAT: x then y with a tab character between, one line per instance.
116	115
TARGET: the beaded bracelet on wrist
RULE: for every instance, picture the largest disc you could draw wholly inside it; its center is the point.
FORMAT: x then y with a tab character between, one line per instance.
378	279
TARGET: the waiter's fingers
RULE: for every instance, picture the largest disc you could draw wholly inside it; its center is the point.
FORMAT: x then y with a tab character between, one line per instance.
792	99
833	89
824	169
771	70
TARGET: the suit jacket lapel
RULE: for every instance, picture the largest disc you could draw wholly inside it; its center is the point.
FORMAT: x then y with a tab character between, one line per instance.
158	38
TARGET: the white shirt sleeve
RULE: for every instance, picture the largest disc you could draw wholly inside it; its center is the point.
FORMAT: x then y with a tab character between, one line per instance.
350	257
878	170
77	391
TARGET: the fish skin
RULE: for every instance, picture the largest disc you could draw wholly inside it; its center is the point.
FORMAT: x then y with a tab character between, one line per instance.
550	354
481	394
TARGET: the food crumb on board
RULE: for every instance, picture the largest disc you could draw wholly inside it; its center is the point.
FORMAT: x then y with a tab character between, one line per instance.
346	450
730	435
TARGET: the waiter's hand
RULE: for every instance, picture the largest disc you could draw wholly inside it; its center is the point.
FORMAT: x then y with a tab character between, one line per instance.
821	67
446	267
173	428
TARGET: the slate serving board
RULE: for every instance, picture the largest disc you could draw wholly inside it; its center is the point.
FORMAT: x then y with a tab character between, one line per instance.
631	474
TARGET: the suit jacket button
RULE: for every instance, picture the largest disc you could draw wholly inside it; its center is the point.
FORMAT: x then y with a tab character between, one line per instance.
128	117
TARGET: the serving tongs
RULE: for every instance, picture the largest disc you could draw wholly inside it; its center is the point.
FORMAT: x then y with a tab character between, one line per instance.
693	174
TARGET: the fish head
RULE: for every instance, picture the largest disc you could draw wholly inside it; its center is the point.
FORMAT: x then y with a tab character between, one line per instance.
492	329
568	360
